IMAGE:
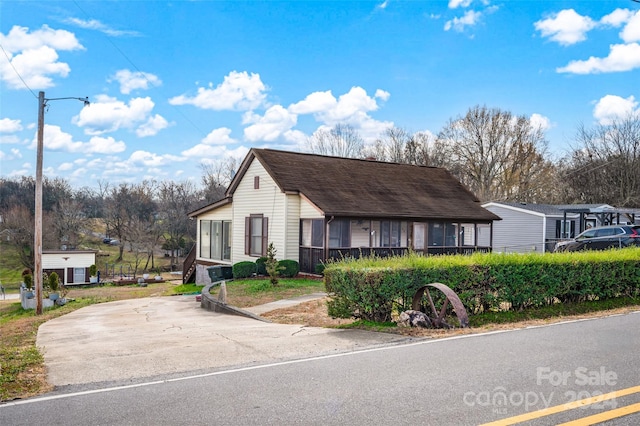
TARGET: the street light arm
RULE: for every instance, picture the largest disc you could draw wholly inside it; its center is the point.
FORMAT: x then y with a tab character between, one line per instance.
85	100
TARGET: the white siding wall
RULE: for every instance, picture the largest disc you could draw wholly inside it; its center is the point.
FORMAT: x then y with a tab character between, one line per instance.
309	211
75	260
292	248
268	200
518	231
221	213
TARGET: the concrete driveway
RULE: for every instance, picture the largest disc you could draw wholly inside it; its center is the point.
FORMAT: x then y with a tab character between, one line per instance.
139	338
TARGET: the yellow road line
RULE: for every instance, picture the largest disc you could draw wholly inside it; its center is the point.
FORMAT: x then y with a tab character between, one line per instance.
563	407
607	415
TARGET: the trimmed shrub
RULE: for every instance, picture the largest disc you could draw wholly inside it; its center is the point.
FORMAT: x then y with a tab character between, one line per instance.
261	267
288	268
244	269
373	287
319	269
54	281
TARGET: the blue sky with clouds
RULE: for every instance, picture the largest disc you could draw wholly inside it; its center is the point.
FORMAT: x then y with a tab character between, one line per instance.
177	83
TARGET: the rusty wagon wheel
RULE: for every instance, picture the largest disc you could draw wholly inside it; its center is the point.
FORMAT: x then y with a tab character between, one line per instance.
438	317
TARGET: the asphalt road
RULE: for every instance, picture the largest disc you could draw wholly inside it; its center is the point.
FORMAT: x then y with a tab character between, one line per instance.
467	380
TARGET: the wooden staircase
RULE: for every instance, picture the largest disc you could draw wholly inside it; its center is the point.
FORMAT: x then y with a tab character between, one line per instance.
189	267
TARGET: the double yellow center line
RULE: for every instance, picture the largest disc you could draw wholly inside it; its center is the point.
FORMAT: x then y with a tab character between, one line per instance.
596	418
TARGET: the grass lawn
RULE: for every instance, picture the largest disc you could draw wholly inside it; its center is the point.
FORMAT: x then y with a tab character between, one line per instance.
252	292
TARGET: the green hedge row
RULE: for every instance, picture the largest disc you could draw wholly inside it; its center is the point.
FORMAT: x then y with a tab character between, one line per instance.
245	269
371	288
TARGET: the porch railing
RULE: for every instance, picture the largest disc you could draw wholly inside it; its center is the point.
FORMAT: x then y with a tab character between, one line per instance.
310	257
189	265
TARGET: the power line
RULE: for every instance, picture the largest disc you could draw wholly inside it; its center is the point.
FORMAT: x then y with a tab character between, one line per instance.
17	73
142	73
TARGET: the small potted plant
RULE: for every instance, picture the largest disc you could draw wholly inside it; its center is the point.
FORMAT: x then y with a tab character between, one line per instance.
158	276
54	286
93	274
27	281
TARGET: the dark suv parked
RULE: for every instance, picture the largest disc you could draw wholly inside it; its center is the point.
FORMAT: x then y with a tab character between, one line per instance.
602	238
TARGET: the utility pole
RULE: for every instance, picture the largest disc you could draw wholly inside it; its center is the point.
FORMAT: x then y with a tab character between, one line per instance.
37	234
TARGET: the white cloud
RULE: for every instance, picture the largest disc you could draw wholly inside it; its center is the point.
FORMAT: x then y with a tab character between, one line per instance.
94	24
130	81
23	171
15	154
382	94
150	159
108	114
8	125
214	154
612	107
631	31
9	139
567	27
100	145
296	137
220	136
34	56
539	121
7	128
469	19
240	91
350	108
383	5
276	121
617	18
313	103
152	126
57	140
216	138
453	4
622	57
65	167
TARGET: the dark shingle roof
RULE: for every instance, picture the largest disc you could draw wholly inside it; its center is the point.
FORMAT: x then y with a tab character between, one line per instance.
363	188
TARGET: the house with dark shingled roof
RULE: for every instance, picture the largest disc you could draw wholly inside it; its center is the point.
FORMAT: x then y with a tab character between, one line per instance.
314	208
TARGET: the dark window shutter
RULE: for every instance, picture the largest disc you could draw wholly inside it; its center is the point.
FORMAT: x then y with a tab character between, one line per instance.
86	275
265	235
573	229
256	182
247	235
70	275
558	224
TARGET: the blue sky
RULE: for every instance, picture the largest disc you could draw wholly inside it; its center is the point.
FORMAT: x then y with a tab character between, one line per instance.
174	84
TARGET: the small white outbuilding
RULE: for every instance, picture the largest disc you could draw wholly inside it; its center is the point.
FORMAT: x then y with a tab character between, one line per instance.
72	266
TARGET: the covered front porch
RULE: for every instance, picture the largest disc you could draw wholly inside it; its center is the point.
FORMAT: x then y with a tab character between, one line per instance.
337	238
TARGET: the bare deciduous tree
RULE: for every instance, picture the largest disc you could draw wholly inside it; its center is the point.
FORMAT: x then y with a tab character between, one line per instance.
17	228
126	204
69	223
399	146
342	140
605	164
176	201
497	155
216	176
